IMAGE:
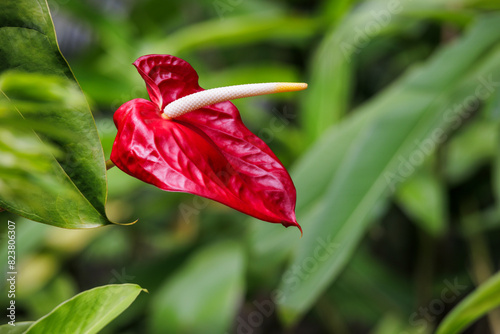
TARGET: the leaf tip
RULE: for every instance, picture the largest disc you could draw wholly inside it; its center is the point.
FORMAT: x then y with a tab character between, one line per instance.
126	224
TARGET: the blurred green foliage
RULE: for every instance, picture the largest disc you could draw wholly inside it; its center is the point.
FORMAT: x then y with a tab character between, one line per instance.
393	149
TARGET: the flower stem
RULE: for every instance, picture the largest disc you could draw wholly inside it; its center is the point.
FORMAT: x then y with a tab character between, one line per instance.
109	164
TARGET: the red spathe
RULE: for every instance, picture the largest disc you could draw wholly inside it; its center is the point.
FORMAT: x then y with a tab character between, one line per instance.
207	152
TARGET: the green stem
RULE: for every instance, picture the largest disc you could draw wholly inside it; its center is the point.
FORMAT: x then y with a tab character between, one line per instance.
483	269
109	164
424	267
482	265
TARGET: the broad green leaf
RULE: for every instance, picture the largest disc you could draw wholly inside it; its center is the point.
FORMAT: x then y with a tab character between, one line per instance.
49	163
243	29
203	296
423	198
70	185
329	88
472	147
327	98
89	311
493	107
28	40
485	298
19	328
367	289
320	163
374	151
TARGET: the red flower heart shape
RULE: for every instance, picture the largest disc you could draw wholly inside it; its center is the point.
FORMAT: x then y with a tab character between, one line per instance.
207	151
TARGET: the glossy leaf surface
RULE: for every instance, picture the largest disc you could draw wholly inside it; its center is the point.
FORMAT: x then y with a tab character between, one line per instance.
485	298
43	96
19	328
75	315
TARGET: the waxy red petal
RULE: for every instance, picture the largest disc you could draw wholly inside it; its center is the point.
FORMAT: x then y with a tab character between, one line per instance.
207	152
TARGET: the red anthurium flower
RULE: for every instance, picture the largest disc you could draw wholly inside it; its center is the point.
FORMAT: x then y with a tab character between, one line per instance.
193	140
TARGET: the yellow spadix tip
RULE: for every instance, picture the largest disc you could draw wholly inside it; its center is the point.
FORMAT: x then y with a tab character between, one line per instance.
283	87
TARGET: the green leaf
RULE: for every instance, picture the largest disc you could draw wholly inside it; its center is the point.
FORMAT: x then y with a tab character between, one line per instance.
19	328
485	298
243	29
49	162
493	107
203	296
28	40
423	198
373	152
367	289
469	149
89	311
327	98
69	189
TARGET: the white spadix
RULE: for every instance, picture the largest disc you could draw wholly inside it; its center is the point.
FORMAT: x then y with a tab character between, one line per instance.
211	96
